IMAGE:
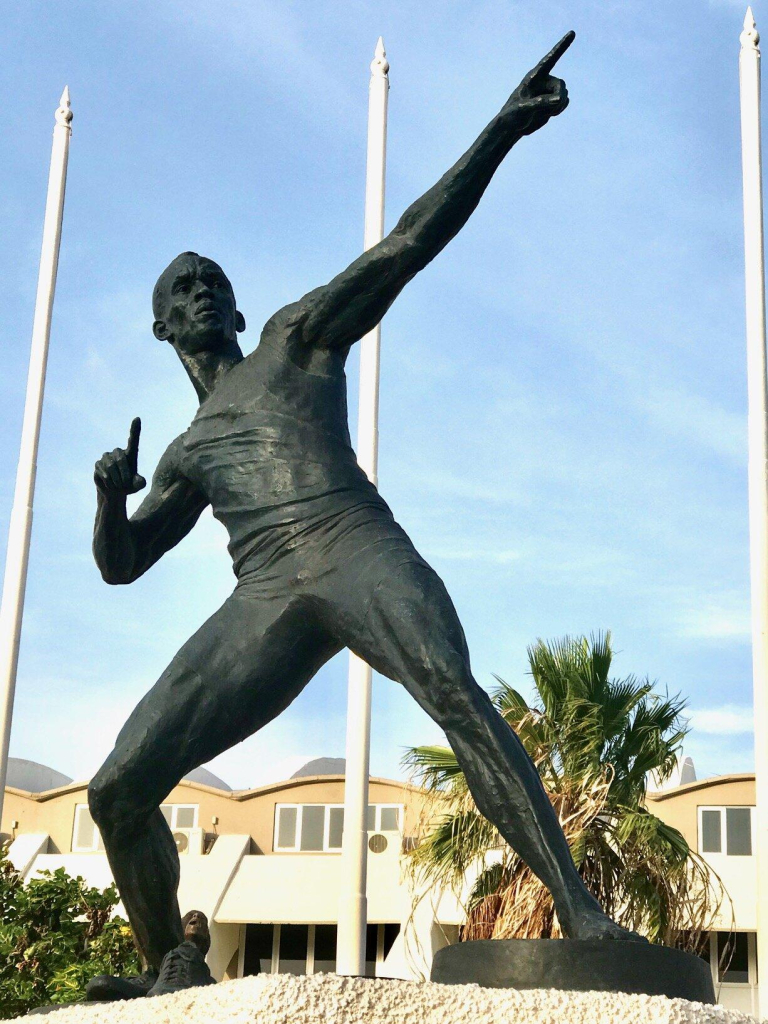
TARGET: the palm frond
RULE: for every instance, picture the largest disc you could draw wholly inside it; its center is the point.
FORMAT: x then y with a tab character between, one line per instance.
594	740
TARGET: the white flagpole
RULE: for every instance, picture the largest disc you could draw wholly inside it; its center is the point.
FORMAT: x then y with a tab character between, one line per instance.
17	557
749	83
353	908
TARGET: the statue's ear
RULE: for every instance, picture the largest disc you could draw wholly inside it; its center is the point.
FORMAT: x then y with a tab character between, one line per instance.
239	322
161	331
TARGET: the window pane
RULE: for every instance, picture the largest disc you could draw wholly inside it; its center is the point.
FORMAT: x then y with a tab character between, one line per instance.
325	947
167	812
390	819
733	957
738	831
185	817
336	828
370	821
371	942
312	826
258	949
293	948
711	838
391	931
286	827
84	828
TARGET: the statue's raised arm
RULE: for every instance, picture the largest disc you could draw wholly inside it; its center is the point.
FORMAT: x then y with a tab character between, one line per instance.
343	311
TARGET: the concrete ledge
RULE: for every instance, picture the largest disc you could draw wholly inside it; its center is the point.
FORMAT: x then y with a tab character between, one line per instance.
331	999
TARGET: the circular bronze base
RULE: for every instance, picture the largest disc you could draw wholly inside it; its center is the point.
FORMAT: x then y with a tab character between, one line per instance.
602	965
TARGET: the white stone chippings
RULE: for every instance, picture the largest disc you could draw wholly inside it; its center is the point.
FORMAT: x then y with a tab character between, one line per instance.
333	999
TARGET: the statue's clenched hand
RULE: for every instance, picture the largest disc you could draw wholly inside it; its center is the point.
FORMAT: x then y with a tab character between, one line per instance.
116	472
539	96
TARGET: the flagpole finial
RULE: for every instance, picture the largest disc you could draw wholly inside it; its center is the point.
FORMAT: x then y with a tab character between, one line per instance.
380	64
64	112
750	37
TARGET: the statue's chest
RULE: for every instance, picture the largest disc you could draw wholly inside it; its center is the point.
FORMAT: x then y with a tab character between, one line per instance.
266	399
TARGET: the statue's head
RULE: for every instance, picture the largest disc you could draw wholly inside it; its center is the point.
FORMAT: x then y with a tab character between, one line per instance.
195	927
194	306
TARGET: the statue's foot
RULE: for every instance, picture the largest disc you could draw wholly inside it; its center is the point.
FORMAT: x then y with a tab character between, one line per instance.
183	967
595	924
108	987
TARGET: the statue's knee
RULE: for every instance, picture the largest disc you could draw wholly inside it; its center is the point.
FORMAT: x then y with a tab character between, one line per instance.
451	683
110	804
101	799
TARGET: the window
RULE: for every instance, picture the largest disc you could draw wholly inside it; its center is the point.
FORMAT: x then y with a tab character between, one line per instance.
87	839
733	958
179	815
318	828
85	836
309	948
726	830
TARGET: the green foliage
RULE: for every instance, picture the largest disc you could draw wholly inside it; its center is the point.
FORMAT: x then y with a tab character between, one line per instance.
594	740
55	935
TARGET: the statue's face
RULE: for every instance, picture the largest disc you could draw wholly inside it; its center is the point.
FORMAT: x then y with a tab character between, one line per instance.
195	306
195	926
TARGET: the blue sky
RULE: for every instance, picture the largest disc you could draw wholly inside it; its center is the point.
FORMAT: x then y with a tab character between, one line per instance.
563	400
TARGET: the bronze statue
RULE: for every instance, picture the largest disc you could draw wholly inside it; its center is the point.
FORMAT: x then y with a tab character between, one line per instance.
320	562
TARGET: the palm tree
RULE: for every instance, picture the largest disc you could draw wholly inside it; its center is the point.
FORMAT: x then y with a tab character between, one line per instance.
594	740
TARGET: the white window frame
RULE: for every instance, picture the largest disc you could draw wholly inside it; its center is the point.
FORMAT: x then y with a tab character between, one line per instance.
174	814
722	808
97	846
401	814
751	984
296	848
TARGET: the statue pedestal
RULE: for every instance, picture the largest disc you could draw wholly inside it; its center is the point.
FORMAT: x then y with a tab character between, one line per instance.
600	965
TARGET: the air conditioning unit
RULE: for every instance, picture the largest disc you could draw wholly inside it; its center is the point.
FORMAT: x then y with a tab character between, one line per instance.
189	840
377	842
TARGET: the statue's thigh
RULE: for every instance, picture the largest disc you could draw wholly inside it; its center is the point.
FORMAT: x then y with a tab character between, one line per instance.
410	631
239	670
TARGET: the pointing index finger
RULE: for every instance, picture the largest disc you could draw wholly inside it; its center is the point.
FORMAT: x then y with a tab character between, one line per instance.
546	64
132	448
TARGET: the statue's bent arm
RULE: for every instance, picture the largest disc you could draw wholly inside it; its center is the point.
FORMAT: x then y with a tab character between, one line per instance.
348	307
125	548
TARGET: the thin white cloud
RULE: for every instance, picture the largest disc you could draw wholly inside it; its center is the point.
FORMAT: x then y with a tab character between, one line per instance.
716	617
725	720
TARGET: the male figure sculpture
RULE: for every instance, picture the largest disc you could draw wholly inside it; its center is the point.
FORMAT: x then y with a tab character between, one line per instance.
320	562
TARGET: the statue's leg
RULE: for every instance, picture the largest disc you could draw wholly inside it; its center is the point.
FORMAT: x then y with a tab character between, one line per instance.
240	670
411	633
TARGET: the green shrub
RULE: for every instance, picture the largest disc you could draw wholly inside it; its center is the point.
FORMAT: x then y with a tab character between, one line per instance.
56	934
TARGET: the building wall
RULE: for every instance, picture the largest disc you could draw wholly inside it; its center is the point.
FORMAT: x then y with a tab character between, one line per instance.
250	812
679	807
240	880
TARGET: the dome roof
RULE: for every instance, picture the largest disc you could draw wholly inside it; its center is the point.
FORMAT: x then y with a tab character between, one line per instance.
322	766
206	778
33	777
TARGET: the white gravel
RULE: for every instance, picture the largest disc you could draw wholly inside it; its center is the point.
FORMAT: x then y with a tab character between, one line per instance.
331	999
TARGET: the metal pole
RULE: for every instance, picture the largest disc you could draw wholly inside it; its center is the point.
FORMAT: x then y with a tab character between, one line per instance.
17	557
353	908
749	83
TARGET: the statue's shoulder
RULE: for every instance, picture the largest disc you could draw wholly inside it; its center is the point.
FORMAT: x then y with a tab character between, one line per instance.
282	325
170	461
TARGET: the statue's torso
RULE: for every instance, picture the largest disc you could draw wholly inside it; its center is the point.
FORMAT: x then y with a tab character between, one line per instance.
270	449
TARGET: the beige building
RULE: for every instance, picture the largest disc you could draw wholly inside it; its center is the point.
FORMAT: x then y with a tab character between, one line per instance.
264	865
716	816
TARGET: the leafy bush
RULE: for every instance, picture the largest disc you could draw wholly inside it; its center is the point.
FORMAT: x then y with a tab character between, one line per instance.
55	935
